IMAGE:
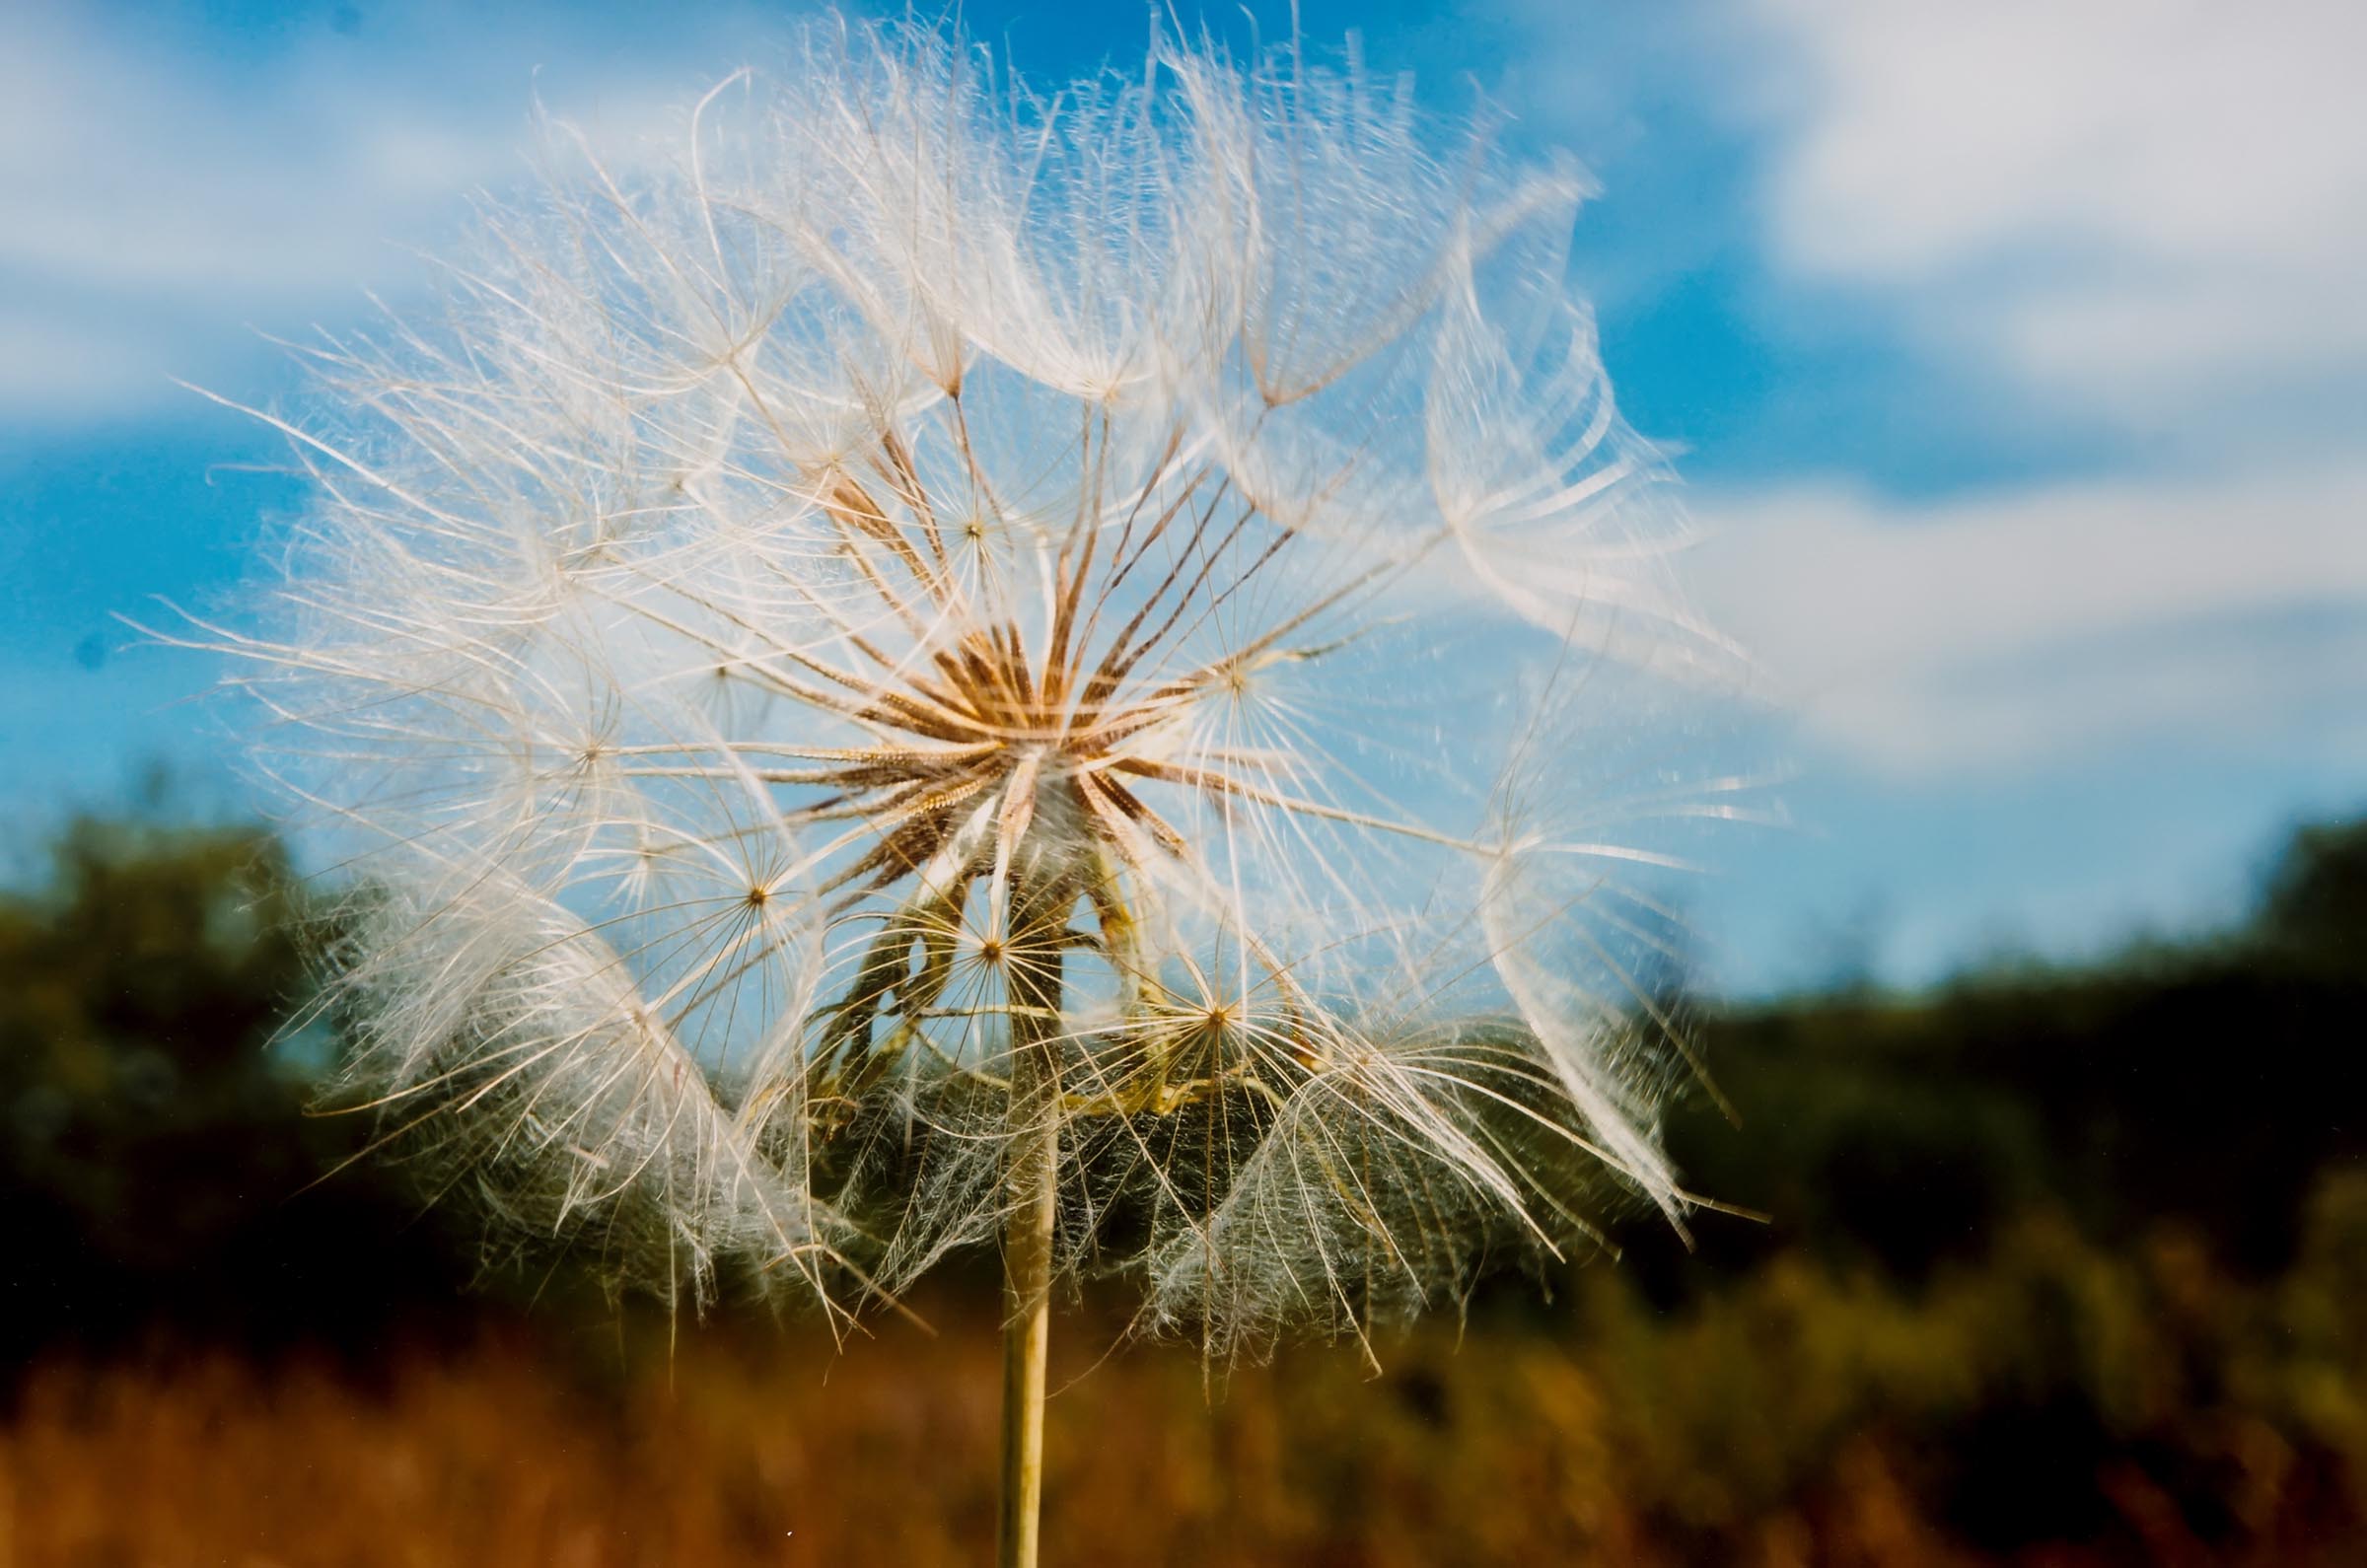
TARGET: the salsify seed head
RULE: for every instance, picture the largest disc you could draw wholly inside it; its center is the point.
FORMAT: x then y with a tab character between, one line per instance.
1152	574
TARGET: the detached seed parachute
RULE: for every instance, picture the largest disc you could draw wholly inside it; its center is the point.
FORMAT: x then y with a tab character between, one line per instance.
935	650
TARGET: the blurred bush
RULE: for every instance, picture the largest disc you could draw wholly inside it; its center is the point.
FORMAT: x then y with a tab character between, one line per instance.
2209	1084
156	1162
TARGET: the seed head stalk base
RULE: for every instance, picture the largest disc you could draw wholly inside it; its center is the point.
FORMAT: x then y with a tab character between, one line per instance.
1034	1176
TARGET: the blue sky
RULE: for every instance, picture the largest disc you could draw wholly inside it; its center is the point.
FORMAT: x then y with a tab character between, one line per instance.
2016	354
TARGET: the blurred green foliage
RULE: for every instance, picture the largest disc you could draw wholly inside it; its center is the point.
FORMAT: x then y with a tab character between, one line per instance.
156	1161
2210	1084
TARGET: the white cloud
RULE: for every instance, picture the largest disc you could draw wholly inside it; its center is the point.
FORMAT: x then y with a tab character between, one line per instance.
2143	212
2052	623
157	201
53	363
2149	206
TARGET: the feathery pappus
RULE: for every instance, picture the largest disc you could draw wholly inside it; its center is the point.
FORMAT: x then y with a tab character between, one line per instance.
927	631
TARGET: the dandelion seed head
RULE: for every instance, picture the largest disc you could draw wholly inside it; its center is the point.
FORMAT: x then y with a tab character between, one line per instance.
928	567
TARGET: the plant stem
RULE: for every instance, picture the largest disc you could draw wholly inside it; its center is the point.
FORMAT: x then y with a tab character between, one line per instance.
1033	1175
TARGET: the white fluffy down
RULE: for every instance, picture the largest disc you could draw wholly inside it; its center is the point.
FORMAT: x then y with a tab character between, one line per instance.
1184	515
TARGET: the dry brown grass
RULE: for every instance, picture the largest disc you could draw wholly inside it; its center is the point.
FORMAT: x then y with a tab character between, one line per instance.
2058	1404
730	1455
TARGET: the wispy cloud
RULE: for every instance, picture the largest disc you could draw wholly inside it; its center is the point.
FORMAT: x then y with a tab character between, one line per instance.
158	200
2052	625
2140	223
2155	209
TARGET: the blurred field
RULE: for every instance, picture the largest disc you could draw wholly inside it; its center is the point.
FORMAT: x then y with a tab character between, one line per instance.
2058	1404
2068	1267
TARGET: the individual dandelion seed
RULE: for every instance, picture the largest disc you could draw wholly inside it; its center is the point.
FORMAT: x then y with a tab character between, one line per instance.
945	666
